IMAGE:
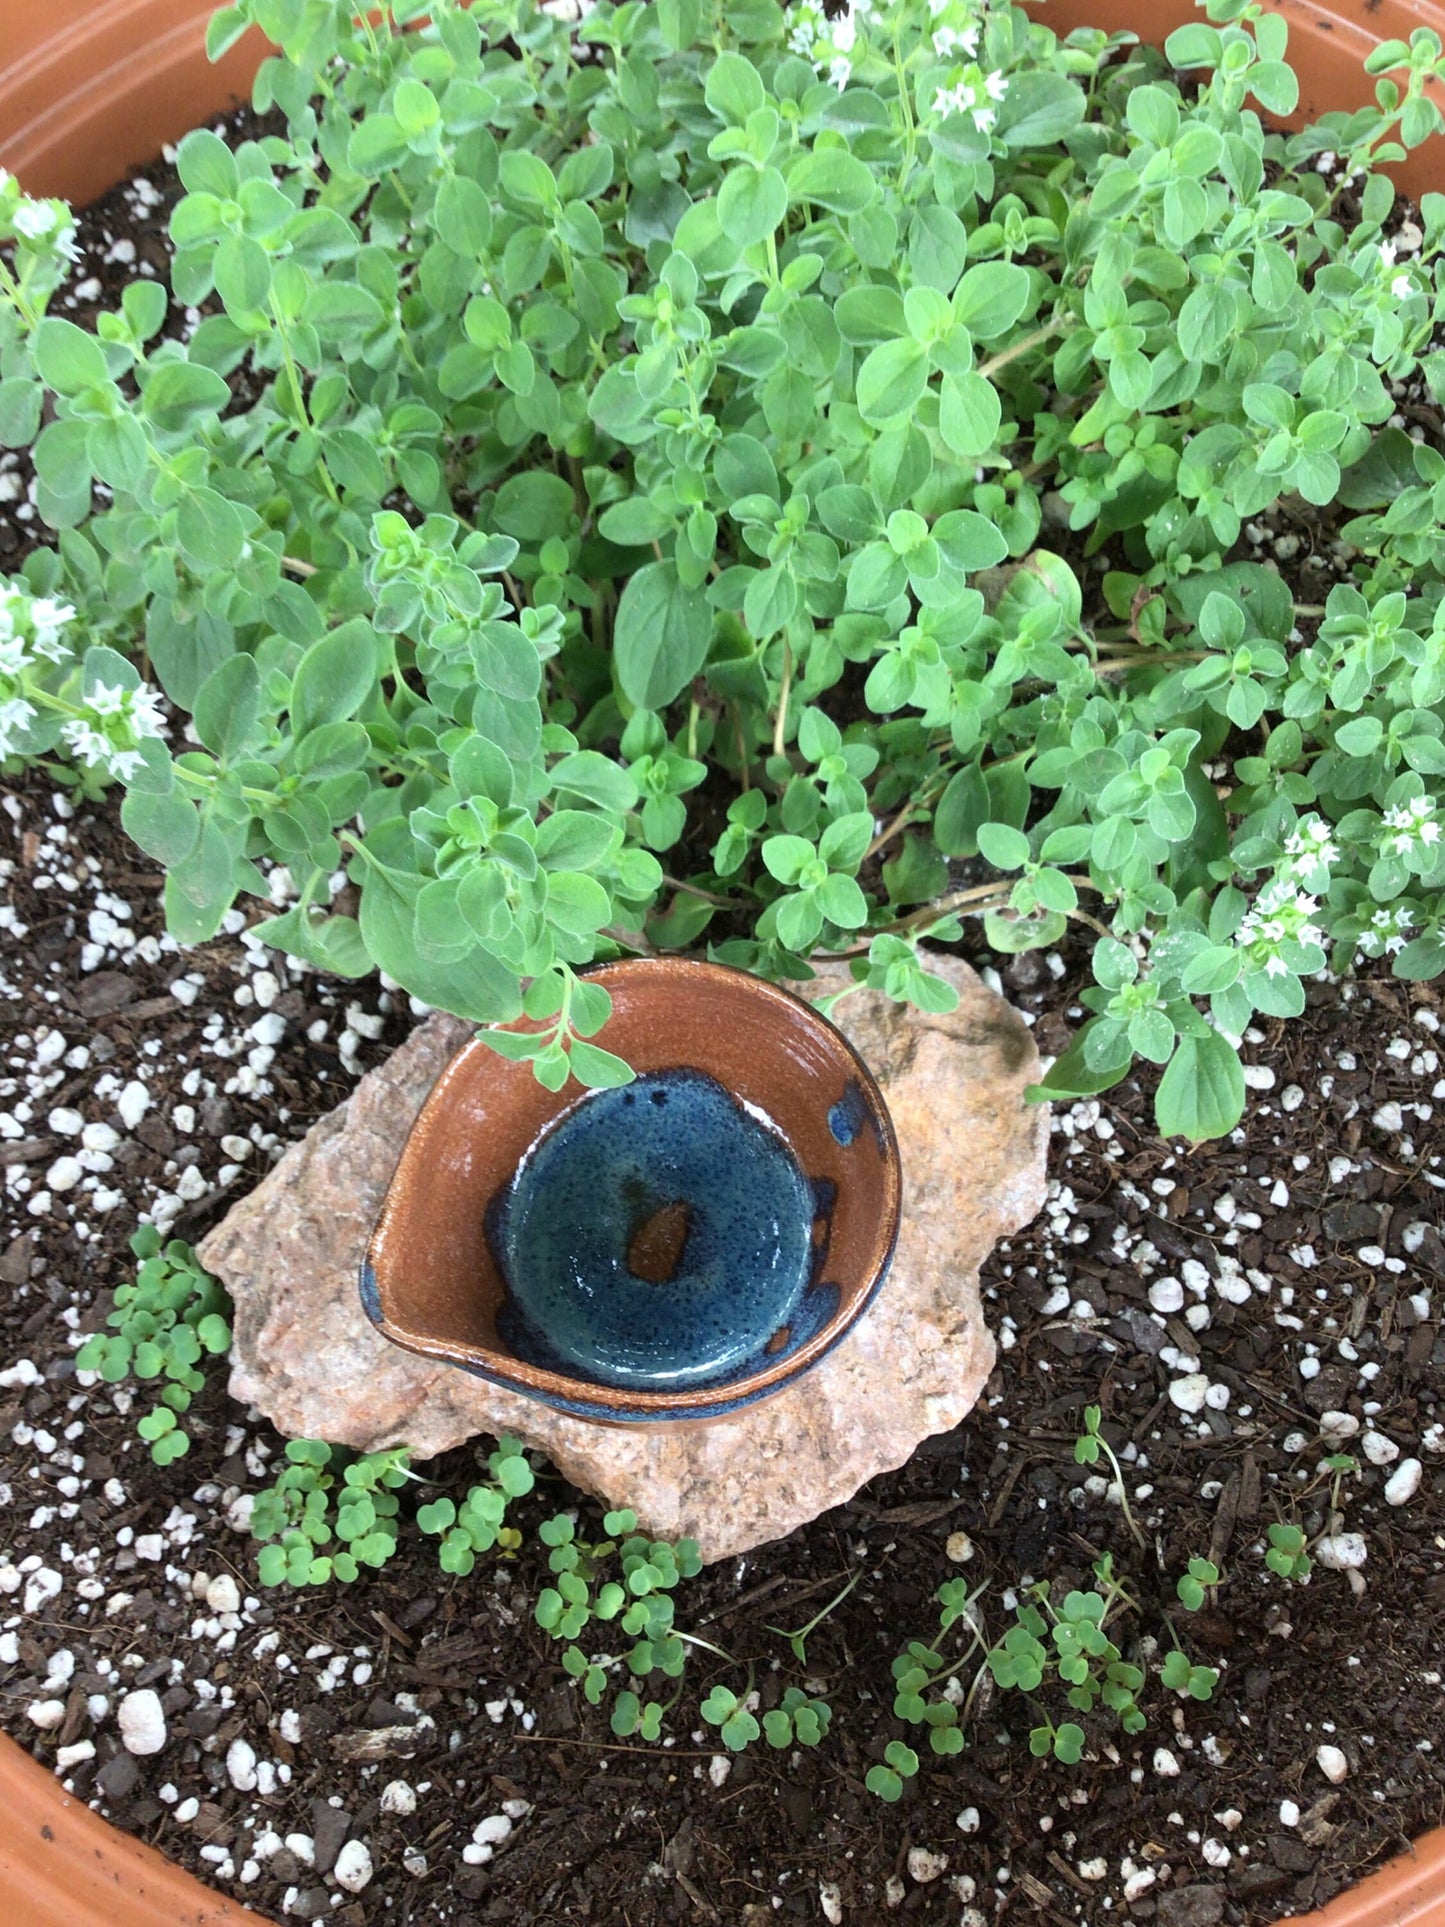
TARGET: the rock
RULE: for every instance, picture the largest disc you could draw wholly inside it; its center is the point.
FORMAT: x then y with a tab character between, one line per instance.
1190	1907
973	1163
118	1778
1404	1482
142	1723
332	1824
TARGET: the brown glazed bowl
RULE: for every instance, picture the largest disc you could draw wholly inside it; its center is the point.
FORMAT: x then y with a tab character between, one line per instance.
671	1250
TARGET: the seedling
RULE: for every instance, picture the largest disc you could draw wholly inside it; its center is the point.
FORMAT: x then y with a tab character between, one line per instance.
1182	1676
478	1523
798	1640
1066	1742
1087	1448
297	1513
166	1322
1286	1553
1193	1586
887	1780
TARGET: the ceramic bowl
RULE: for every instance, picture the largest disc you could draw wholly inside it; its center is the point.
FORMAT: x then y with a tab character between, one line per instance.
668	1251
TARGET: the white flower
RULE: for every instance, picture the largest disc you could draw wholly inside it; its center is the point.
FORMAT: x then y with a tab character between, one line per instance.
949	40
936	7
1387	253
844	33
34	220
840	71
996	86
1386	936
117	722
15	714
954	100
14	656
49	619
1402	287
807	21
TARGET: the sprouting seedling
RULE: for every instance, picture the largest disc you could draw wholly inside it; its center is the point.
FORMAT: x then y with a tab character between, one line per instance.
886	1780
1180	1673
730	1712
1065	1742
1286	1553
798	1639
1195	1583
1087	1448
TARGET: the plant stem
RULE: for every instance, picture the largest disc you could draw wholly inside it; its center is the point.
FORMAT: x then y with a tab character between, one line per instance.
1023	344
780	722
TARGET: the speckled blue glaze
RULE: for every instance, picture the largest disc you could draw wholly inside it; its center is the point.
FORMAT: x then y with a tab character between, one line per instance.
848	1115
563	1228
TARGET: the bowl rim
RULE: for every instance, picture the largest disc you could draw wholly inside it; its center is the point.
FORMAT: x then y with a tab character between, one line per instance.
582	1397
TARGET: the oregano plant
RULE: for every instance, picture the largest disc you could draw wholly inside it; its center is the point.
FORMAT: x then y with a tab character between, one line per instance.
618	501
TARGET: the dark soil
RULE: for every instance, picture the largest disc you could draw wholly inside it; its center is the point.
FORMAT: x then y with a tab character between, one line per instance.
1309	1252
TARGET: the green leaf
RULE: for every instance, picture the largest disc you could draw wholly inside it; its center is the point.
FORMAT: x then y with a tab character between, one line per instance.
969	414
66	358
228	706
833	178
891	381
1201	1094
1005	848
1038	110
165	826
177	396
751	204
334	677
733	88
661	635
210	532
598	1069
243	273
463	216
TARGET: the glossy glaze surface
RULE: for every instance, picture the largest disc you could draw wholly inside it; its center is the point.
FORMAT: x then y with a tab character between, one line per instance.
780	1215
657	1236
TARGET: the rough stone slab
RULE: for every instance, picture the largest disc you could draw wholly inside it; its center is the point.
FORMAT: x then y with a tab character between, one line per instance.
973	1171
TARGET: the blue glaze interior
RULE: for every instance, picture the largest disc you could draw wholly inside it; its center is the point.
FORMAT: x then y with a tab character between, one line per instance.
565	1229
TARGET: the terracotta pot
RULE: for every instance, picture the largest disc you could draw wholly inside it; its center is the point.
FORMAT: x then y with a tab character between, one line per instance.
91	89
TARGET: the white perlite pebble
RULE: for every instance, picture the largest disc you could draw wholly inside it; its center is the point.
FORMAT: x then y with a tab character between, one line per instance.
831	1902
353	1867
1342	1551
1332	1763
924	1866
1288	1813
1188	1393
1165	1764
398	1797
492	1832
133	1103
968	1820
959	1548
1404	1482
241	1766
223	1595
1338	1426
142	1723
46	1714
1167	1295
1378	1449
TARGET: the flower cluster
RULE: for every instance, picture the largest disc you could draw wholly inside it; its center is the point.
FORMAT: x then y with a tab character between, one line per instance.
45	227
1412	828
1279	925
1388	932
31	632
831	45
969	89
109	731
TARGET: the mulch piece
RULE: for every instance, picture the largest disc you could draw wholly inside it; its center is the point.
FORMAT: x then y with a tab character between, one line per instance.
1308	1250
